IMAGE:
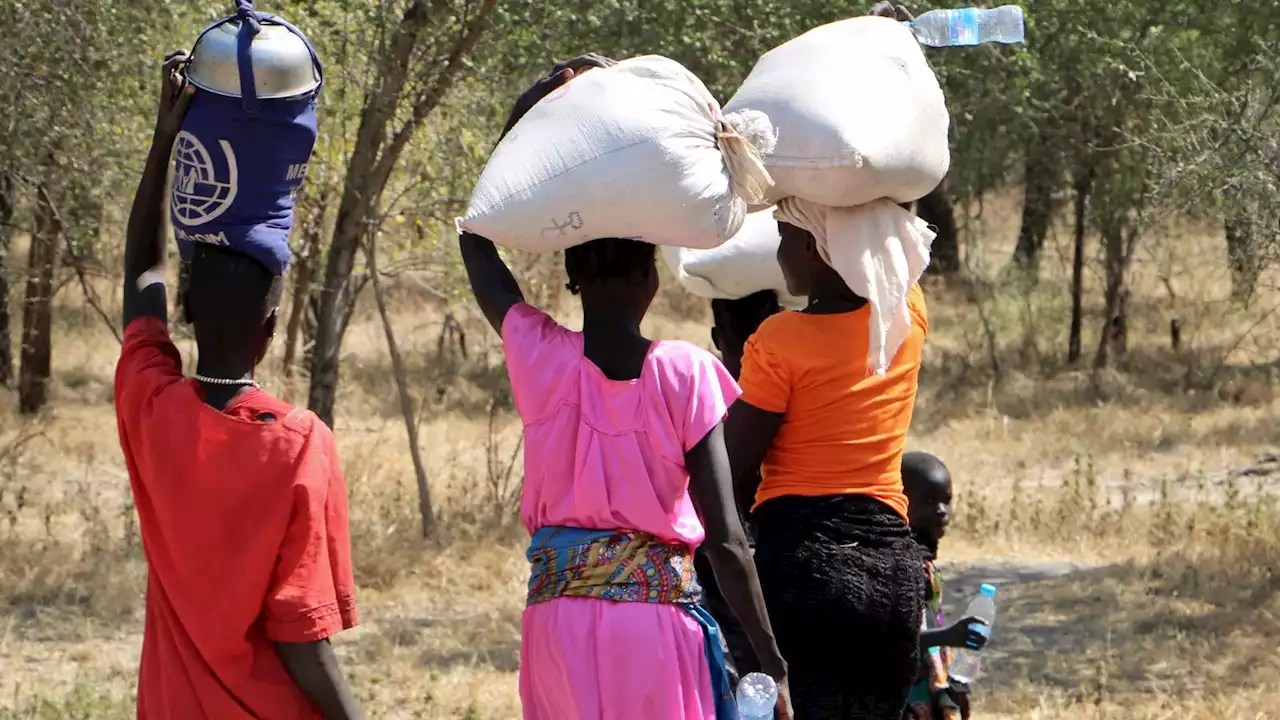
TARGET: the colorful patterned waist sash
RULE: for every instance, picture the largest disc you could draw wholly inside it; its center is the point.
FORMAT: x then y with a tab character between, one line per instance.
626	566
609	565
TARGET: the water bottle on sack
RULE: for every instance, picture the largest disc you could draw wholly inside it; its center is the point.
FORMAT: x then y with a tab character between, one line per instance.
757	697
969	26
966	664
245	144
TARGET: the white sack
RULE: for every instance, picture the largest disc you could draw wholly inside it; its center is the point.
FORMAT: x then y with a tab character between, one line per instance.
859	114
638	150
746	264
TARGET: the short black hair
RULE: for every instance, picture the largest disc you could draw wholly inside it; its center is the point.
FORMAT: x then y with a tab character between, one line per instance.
618	259
922	468
741	317
229	297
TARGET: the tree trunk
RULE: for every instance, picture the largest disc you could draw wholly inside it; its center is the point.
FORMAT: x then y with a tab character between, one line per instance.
7	202
1118	242
937	210
334	298
1242	256
1083	187
37	309
373	158
1037	211
306	271
425	510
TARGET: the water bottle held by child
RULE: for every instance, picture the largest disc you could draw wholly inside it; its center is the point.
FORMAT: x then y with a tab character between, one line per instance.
966	664
757	696
969	26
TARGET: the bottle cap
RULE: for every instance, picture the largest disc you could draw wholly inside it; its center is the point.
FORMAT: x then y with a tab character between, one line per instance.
988	589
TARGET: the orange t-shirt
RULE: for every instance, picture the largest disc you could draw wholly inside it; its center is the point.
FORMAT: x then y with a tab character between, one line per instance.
844	428
244	524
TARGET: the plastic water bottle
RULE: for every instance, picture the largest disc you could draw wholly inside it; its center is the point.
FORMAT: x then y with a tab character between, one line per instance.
757	696
966	664
969	26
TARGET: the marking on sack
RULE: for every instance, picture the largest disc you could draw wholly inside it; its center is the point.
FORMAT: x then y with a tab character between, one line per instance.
296	171
572	222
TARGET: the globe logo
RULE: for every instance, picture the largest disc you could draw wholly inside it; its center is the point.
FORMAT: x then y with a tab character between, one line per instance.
199	196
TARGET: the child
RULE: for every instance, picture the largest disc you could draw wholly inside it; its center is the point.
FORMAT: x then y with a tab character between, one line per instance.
624	468
928	486
241	501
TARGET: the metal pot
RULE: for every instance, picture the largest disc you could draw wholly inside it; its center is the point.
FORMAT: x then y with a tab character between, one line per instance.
283	64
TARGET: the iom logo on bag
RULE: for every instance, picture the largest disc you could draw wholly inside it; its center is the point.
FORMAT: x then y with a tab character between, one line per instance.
200	195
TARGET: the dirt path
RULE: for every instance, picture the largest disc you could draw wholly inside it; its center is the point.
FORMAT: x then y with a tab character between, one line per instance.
963	580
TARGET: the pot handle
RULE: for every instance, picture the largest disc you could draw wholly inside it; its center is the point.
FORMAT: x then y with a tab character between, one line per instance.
250	24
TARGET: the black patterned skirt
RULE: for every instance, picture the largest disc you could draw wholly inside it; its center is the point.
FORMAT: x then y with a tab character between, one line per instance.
844	584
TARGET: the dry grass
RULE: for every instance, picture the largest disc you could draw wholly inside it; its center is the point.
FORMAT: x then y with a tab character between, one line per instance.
1172	609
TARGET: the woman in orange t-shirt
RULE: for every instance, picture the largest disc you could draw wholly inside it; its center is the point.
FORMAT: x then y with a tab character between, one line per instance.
840	573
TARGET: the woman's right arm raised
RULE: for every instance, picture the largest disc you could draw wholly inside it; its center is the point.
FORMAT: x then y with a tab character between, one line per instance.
492	283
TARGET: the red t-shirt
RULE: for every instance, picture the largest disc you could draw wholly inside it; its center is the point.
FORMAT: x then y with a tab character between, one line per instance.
244	524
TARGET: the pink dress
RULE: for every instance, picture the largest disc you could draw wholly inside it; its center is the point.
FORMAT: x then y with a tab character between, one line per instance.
609	455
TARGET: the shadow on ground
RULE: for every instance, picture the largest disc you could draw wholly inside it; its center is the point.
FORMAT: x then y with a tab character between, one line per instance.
1172	626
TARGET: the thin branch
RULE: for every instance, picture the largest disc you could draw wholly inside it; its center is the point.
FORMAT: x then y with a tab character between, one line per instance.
402	388
430	98
77	263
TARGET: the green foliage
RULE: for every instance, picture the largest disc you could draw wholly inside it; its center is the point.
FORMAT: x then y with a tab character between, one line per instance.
1173	105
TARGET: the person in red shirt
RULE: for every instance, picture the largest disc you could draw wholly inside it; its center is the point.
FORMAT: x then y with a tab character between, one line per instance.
241	500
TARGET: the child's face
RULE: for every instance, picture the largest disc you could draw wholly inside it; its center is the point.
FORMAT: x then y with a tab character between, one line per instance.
930	506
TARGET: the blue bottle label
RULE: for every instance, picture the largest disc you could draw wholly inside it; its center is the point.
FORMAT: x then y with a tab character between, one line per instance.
963	24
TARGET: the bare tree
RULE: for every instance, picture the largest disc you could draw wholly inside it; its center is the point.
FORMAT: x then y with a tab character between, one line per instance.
1120	224
7	203
1244	254
37	308
1040	180
425	510
937	209
414	71
306	270
1083	186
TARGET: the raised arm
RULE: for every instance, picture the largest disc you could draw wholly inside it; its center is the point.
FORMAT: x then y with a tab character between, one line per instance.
492	282
145	244
891	11
711	489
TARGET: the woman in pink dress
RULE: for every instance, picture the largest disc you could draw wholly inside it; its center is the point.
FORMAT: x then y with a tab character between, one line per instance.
625	474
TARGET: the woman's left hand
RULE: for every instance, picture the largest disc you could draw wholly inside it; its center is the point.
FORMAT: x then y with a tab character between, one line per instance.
560	74
891	11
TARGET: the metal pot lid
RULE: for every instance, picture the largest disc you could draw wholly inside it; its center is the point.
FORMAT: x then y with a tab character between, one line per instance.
282	63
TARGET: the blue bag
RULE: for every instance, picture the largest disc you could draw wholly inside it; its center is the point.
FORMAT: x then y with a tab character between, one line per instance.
240	161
